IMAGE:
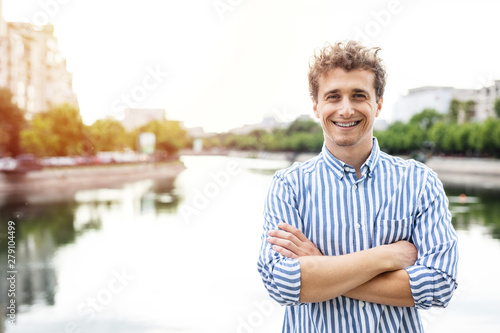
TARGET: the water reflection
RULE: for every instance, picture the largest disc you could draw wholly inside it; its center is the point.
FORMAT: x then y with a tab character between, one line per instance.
40	229
475	207
47	223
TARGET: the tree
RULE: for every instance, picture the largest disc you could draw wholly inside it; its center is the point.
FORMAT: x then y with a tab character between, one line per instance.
461	111
454	110
393	139
106	135
469	108
489	137
12	121
497	107
170	136
437	134
426	118
300	125
56	132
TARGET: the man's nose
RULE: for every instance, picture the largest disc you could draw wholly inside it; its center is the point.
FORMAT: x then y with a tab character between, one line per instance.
346	108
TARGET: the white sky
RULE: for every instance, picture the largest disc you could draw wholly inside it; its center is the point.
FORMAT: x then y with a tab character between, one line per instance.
232	69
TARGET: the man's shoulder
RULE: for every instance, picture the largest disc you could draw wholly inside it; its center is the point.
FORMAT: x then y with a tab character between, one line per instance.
408	166
301	168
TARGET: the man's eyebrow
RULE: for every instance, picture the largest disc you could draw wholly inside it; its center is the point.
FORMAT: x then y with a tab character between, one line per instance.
358	90
333	91
355	90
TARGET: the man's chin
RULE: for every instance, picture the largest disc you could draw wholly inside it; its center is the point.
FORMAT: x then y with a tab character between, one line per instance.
344	142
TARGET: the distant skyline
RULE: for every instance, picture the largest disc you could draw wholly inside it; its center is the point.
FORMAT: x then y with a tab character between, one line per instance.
223	64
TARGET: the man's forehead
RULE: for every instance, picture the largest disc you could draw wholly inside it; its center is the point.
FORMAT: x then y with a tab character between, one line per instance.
339	78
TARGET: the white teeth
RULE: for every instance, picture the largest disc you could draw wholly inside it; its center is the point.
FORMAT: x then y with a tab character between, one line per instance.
346	125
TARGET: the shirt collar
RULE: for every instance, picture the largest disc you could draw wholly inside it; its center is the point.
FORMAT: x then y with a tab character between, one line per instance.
339	168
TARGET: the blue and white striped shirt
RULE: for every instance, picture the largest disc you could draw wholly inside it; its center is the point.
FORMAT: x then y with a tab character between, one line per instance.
394	200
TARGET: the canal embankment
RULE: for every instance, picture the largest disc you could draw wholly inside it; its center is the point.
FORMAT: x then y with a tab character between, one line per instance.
87	177
452	171
467	172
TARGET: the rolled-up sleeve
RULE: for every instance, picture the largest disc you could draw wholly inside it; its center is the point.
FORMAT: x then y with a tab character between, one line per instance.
433	277
281	275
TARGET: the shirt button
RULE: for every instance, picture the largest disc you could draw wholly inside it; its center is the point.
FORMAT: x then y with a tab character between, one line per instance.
361	303
358	225
354	186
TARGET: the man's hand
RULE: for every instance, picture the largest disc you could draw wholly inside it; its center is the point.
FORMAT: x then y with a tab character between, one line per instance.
291	242
404	254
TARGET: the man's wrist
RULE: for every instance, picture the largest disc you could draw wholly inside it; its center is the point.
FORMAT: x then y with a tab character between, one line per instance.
384	256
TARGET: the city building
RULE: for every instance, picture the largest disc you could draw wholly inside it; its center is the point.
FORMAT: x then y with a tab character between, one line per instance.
134	118
32	66
268	123
485	100
439	98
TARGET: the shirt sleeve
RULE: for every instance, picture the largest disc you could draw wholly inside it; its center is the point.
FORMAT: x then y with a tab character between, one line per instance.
281	275
433	277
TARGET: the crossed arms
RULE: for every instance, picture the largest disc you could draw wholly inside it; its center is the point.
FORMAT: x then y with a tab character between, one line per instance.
375	275
294	270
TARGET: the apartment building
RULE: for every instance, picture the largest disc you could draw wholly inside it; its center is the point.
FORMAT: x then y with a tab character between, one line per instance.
439	98
32	66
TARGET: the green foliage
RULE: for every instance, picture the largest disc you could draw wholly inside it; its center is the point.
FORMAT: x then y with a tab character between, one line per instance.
461	108
170	136
489	137
106	135
426	118
303	135
56	132
454	110
12	122
497	107
448	137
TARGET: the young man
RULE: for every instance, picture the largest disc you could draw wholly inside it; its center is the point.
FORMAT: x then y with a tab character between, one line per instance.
355	240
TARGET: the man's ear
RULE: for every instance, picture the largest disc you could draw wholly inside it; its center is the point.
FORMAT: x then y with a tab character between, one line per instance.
379	106
315	108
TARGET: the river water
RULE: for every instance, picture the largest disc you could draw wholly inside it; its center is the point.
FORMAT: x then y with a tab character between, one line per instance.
179	255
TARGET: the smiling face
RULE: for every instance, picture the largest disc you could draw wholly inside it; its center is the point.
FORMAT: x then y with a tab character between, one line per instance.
347	108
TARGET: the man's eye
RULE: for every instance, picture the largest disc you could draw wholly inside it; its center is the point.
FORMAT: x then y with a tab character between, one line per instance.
333	97
359	96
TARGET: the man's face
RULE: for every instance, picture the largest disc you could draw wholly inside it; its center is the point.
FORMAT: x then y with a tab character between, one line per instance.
347	109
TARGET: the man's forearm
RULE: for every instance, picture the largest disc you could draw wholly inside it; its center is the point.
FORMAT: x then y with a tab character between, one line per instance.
390	288
326	277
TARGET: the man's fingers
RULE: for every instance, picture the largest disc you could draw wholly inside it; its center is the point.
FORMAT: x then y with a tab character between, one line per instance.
284	235
284	243
284	252
291	239
291	229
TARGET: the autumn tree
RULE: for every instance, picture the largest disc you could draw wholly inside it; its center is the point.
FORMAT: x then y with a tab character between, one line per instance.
56	132
12	121
170	136
106	135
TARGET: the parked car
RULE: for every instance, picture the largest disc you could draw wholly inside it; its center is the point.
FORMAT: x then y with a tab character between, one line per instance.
26	163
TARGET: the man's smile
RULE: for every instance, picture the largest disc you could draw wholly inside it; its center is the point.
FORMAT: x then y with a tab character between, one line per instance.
351	124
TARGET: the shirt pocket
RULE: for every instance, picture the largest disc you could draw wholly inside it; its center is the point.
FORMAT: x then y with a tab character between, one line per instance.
391	231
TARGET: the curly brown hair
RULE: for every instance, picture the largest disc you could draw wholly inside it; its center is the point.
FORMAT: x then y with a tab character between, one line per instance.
348	55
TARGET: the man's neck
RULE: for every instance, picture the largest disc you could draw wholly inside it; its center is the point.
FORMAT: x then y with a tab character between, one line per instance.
355	156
